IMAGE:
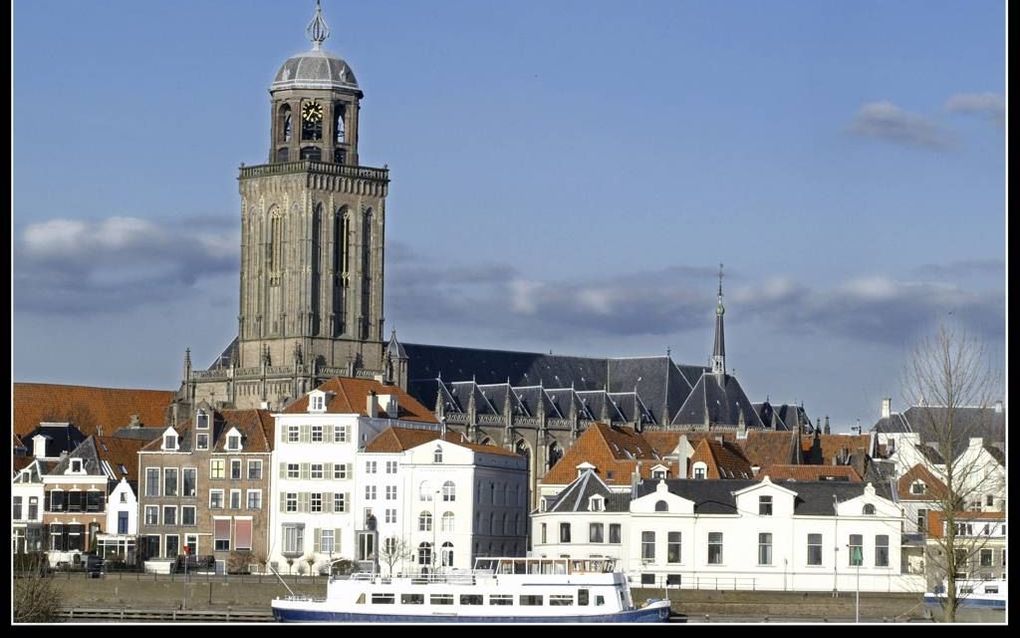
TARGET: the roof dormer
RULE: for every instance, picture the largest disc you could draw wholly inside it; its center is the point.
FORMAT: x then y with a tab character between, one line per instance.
597	503
234	440
76	466
317	400
660	471
584	467
171	441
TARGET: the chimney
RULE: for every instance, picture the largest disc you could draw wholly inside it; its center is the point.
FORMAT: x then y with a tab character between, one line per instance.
886	408
264	405
998	407
135	421
635	480
371	405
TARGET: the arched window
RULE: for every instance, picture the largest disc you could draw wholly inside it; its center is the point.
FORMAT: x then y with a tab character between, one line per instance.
520	501
425	554
502	525
425	522
339	156
338	122
517	525
555	453
699	470
449	491
447	522
437	455
492	524
869	509
285	123
508	528
366	271
425	491
202	421
446	554
661	506
313	153
508	495
283	155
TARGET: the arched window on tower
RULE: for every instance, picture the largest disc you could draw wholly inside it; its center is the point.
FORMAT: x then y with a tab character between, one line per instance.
313	153
283	155
366	269
275	238
338	122
285	123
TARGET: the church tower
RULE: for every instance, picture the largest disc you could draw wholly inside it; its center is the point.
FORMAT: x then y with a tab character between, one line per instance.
312	230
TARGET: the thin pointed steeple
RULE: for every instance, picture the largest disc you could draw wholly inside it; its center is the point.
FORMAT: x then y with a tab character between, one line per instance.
719	350
318	30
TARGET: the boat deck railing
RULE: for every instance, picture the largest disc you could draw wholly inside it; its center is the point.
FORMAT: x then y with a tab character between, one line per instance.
488	568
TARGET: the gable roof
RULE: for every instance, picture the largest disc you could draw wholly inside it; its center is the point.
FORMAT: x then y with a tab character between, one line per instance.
717	497
811	473
350	396
576	497
724	460
767	447
831	446
935	488
616	452
87	407
59	438
717	399
118	453
256	426
397	439
988	423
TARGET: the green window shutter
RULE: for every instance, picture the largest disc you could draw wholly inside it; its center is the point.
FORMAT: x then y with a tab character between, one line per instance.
283	470
327	502
283	501
318	541
327	471
327	434
347	501
306	435
336	541
306	470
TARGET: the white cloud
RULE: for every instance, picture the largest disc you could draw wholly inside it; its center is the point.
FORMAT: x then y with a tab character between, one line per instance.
989	105
888	122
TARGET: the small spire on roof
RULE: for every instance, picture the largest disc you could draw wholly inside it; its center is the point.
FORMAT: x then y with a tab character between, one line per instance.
318	30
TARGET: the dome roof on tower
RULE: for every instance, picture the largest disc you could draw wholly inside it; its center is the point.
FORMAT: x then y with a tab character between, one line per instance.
315	69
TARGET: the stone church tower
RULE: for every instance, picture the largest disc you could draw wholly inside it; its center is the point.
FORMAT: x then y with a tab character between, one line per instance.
312	235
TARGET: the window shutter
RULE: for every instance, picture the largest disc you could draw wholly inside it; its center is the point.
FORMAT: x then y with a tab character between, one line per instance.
283	501
318	540
303	501
327	434
336	541
347	501
305	434
327	471
283	470
327	502
306	470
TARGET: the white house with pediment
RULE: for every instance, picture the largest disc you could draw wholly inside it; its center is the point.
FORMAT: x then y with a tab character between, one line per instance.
733	534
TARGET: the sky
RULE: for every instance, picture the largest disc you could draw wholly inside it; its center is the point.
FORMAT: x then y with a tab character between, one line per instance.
566	176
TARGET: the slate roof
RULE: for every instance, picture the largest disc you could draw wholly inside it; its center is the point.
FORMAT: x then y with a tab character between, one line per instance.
662	385
111	408
968	422
89	455
398	439
59	438
892	424
717	399
349	396
576	497
930	453
997	454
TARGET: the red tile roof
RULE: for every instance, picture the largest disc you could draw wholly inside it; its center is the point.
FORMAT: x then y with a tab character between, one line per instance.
119	451
724	460
256	428
349	396
831	444
21	462
936	518
665	441
764	448
934	488
86	407
809	473
397	439
616	452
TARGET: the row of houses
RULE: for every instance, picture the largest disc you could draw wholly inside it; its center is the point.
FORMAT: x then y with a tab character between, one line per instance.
355	469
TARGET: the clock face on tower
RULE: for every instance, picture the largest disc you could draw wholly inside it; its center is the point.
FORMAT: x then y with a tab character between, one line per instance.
312	112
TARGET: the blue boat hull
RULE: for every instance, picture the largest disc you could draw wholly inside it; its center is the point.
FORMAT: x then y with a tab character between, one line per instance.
968	601
648	614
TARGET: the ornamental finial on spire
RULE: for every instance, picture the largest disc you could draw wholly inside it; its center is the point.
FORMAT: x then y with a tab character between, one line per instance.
317	29
719	307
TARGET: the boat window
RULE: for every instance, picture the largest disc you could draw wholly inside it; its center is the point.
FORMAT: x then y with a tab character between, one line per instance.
383	599
412	599
560	600
991	589
582	596
530	599
966	590
470	599
441	599
361	599
501	599
600	600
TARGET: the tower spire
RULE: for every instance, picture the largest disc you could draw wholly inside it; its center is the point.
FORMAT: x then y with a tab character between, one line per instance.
719	350
317	29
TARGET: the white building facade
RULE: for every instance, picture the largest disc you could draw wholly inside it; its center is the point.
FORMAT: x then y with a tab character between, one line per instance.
733	534
440	503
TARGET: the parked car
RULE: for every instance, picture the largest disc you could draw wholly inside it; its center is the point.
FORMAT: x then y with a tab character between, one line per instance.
92	565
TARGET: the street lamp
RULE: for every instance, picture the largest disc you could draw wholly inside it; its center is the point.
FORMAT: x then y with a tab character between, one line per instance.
857	557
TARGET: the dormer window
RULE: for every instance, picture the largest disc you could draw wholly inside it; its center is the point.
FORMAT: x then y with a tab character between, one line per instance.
76	466
764	506
170	440
317	401
918	487
597	504
660	472
700	470
234	442
869	510
437	456
202	420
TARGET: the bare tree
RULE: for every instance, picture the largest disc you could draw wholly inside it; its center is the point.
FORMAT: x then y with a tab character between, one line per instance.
395	550
951	386
36	598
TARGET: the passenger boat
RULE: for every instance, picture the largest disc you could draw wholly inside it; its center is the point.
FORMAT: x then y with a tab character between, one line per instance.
988	594
497	590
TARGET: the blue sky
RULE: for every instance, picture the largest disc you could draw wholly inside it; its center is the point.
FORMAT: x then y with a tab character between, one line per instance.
567	176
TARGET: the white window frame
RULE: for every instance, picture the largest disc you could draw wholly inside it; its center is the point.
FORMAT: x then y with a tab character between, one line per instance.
339	433
185	470
254	464
222	465
151	508
234	443
232	494
222	501
341	472
194	515
164	509
248	495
